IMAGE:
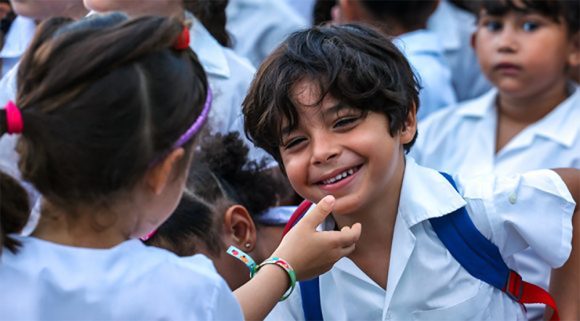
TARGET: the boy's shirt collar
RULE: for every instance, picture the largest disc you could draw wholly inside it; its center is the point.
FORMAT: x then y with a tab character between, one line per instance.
420	41
210	53
18	37
560	125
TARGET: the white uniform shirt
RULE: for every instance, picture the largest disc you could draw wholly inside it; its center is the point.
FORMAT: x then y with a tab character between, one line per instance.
462	140
425	282
425	54
454	27
16	41
48	281
259	26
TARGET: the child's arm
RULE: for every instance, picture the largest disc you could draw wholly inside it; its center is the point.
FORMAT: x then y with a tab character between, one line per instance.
565	281
309	252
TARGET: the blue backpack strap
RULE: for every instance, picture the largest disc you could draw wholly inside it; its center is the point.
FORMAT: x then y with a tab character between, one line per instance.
310	293
478	255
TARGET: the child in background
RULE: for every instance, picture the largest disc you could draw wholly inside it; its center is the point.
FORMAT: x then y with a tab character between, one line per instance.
407	20
107	140
336	107
228	200
530	120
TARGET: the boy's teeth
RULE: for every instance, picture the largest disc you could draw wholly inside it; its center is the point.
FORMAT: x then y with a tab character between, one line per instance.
339	176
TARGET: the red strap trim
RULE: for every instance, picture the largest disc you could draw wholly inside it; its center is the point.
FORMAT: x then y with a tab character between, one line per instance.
297	215
524	292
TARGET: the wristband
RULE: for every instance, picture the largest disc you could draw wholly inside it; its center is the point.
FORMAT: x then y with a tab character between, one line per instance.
284	265
254	268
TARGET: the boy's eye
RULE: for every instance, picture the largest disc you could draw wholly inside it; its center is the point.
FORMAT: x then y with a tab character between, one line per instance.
345	121
530	26
492	25
293	142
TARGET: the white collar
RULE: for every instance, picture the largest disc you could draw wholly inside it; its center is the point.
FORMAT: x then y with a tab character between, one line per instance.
419	41
18	37
560	125
210	53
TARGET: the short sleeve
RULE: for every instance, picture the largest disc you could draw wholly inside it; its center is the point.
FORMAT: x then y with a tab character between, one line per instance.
530	210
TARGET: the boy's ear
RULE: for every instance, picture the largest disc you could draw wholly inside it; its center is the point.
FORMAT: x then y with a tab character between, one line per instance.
473	40
410	129
159	175
239	228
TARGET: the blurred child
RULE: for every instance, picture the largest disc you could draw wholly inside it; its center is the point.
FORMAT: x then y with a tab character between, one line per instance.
228	200
336	107
107	139
530	120
407	20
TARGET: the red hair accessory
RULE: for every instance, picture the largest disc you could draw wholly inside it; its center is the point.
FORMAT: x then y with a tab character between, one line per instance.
182	41
14	124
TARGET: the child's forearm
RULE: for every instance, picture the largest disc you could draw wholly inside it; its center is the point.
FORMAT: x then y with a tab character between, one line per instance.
259	296
565	281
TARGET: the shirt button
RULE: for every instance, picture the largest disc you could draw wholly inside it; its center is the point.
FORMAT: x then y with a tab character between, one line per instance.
388	316
513	198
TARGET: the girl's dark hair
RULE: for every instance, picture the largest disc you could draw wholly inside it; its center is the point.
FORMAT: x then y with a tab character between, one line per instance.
101	100
212	14
14	211
561	11
221	176
354	64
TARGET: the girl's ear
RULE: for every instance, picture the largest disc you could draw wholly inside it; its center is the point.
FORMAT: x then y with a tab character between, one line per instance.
159	175
574	54
410	129
239	228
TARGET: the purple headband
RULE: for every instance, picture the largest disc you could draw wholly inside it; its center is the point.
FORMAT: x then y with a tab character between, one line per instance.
201	119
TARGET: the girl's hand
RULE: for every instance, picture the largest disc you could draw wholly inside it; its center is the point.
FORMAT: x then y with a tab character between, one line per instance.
312	253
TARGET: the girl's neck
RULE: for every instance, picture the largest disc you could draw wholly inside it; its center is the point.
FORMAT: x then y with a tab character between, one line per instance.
86	228
528	110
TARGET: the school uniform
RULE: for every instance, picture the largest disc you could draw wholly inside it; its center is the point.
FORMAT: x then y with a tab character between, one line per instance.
454	27
131	281
425	54
424	281
229	78
259	26
16	41
462	140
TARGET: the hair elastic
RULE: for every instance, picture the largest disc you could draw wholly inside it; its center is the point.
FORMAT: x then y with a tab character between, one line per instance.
182	41
14	123
201	119
148	236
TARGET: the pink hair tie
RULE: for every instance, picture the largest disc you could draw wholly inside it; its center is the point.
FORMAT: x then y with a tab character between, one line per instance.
148	236
14	124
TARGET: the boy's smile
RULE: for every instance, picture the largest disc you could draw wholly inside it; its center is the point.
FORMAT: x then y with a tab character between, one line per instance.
339	150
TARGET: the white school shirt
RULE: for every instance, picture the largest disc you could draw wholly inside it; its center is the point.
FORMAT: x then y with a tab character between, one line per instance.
259	26
462	140
131	281
16	41
454	26
425	282
423	50
229	77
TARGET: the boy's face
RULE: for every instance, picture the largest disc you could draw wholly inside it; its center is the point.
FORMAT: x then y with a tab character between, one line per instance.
137	7
335	150
43	9
523	54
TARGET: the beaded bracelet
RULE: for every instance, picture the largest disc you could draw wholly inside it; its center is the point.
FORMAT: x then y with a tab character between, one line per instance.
254	268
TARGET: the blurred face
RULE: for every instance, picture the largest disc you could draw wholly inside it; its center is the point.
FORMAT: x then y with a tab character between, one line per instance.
524	54
43	9
339	151
138	7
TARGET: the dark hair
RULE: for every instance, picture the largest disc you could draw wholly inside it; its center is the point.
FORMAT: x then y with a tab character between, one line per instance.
352	63
212	14
409	14
101	100
14	211
220	177
560	11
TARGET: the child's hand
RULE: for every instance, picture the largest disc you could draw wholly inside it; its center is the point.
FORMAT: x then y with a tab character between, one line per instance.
312	253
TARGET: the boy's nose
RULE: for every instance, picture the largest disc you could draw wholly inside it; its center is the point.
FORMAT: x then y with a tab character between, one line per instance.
324	150
507	40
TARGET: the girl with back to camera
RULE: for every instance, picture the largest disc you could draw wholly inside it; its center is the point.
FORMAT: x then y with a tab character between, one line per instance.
108	111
